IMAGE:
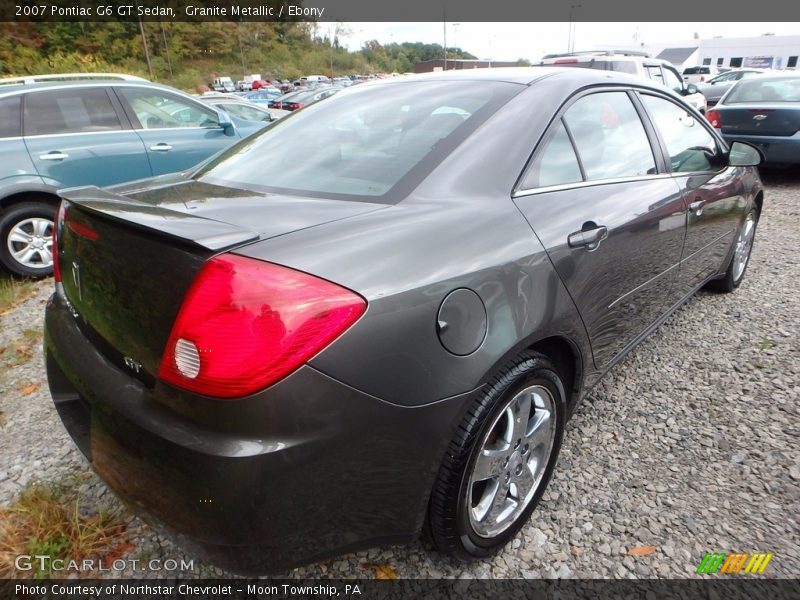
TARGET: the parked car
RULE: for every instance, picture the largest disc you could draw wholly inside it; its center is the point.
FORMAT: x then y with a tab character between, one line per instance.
405	316
716	87
700	73
100	132
765	112
223	84
306	98
635	63
278	102
262	96
242	109
244	86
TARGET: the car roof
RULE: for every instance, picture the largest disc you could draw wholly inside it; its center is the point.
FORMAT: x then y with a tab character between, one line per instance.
31	87
527	76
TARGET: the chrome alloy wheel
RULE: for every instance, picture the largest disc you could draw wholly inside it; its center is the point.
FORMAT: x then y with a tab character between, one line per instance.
744	244
30	243
511	462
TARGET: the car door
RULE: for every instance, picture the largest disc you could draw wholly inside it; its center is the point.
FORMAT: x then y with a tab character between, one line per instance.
612	223
713	192
17	168
177	132
79	136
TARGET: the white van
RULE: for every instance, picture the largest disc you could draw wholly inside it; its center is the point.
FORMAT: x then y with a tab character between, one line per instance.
315	79
635	63
223	84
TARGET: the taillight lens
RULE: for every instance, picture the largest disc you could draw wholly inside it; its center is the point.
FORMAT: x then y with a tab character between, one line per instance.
714	118
60	216
246	324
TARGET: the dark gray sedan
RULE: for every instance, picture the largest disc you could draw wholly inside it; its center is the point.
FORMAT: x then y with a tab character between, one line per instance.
715	88
281	360
765	112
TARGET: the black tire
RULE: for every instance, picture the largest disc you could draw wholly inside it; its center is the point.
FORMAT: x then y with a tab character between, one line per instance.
10	218
449	523
731	279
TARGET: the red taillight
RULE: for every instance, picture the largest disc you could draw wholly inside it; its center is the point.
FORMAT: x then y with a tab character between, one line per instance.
60	216
714	118
245	324
565	61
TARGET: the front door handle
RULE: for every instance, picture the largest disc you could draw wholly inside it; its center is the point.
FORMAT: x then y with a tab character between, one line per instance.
161	147
697	206
54	155
589	239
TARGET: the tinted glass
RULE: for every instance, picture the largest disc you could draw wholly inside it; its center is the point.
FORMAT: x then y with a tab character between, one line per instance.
688	142
159	110
69	111
242	111
761	89
555	164
609	137
696	71
363	142
10	122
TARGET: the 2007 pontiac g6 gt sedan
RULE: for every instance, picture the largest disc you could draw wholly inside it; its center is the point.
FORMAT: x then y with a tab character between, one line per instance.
377	315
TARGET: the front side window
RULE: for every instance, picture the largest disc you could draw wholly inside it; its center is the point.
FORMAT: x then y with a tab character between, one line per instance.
672	81
379	140
555	163
69	111
158	110
690	145
10	122
609	137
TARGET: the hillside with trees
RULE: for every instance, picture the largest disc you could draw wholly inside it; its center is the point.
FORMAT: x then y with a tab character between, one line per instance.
189	55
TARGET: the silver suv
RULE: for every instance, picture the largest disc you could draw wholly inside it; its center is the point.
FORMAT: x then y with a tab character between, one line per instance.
635	63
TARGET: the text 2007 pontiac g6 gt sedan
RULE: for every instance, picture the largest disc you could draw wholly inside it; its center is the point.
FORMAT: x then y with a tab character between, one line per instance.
282	359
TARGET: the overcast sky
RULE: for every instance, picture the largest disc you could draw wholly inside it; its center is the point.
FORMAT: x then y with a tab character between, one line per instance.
510	41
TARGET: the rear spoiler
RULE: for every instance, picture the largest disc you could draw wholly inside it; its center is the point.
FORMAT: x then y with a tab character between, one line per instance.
208	233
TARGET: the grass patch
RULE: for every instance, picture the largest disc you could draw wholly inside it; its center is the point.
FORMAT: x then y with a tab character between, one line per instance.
766	344
13	291
47	519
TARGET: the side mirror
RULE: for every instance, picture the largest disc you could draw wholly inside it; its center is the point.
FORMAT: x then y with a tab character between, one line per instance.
691	89
225	122
743	154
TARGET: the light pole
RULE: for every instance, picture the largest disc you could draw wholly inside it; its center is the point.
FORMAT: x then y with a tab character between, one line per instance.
571	31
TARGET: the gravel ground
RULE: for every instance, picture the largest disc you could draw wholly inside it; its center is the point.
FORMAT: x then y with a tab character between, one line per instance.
690	445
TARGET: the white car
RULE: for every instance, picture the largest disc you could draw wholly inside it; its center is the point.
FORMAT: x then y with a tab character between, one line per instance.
699	74
244	86
635	63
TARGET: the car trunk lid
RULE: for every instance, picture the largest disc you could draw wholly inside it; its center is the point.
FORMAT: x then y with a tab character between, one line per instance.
127	261
776	119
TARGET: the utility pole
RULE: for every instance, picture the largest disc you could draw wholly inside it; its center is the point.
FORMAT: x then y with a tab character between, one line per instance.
166	48
444	24
146	52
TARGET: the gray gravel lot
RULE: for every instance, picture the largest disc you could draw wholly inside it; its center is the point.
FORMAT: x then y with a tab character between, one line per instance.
690	445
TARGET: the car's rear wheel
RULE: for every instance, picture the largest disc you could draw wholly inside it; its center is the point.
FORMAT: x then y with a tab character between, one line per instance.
500	460
26	239
737	266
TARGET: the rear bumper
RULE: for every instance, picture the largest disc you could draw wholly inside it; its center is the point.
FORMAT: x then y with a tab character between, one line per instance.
776	149
304	470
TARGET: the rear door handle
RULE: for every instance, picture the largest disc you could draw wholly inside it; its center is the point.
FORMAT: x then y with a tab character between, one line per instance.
589	239
697	206
54	155
161	147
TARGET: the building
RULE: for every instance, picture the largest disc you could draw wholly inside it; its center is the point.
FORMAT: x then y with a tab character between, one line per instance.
453	64
764	51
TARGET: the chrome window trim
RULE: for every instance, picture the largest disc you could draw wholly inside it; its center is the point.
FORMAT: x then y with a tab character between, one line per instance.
57	135
594	182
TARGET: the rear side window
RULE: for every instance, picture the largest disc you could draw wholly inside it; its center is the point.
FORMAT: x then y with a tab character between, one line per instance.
555	164
10	122
696	71
609	137
69	111
689	144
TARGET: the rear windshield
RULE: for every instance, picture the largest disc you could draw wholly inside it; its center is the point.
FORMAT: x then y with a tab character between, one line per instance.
765	90
696	71
369	141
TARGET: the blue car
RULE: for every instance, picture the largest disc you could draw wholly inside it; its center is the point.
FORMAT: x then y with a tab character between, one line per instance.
60	134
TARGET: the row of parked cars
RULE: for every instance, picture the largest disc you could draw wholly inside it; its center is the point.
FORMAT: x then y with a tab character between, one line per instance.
102	129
